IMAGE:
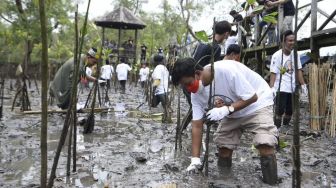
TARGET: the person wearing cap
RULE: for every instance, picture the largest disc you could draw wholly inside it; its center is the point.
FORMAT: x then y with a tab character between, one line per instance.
60	87
122	70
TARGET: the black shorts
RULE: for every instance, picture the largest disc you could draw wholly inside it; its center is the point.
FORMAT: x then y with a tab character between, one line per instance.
283	103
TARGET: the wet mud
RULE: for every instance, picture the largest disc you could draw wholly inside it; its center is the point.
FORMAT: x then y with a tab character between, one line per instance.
132	148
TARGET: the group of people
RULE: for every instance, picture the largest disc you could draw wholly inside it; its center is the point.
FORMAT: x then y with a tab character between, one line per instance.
251	98
270	6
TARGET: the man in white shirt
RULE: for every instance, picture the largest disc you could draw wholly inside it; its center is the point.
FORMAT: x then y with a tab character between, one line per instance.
122	71
160	77
282	80
106	72
250	110
143	73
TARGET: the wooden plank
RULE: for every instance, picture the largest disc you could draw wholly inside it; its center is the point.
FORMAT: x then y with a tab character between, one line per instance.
325	14
307	5
324	32
314	48
303	20
84	110
328	20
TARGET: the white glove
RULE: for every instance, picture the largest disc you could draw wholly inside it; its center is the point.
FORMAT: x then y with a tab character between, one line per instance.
101	81
217	114
304	90
195	164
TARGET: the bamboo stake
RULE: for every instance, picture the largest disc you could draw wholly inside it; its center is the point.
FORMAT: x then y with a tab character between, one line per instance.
2	93
44	96
210	104
313	97
69	150
331	128
74	113
296	173
324	76
178	122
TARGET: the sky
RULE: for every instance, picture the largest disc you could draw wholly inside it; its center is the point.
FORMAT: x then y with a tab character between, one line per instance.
220	11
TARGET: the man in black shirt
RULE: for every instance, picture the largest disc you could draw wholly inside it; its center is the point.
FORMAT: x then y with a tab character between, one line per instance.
143	52
202	55
289	12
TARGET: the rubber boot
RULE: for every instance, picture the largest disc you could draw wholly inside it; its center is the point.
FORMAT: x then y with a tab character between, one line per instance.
286	120
277	121
269	169
224	165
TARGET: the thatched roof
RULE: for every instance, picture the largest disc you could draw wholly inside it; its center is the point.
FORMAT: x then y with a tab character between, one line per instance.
121	18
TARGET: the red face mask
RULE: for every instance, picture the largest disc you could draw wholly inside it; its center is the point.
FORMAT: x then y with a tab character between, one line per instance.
193	87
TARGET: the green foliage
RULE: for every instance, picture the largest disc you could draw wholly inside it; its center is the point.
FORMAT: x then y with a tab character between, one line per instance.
258	9
271	18
250	2
201	35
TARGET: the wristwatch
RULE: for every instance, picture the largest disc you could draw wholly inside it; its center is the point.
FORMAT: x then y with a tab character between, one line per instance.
231	109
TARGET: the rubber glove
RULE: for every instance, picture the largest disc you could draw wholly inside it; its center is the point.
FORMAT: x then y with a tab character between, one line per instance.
194	165
217	114
274	91
156	82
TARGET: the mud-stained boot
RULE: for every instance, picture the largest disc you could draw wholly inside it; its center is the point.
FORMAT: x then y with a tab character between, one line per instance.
269	169
286	120
277	121
224	165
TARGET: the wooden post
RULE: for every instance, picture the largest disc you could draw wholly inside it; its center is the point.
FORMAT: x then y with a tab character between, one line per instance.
280	21
44	96
74	108
296	174
135	55
258	54
313	46
119	45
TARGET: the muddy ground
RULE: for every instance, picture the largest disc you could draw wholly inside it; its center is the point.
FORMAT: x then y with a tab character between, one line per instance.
109	155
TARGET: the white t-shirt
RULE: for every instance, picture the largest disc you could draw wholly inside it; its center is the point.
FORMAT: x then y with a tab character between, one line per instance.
161	73
229	41
143	73
106	72
289	76
122	70
235	81
88	71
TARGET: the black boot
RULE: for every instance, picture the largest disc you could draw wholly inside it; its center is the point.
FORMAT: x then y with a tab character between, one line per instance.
286	120
277	121
269	169
224	165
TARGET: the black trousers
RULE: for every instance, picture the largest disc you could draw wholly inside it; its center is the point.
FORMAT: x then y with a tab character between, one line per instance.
159	98
283	104
122	85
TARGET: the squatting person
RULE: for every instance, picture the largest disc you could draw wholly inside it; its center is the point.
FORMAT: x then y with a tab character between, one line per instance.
251	110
